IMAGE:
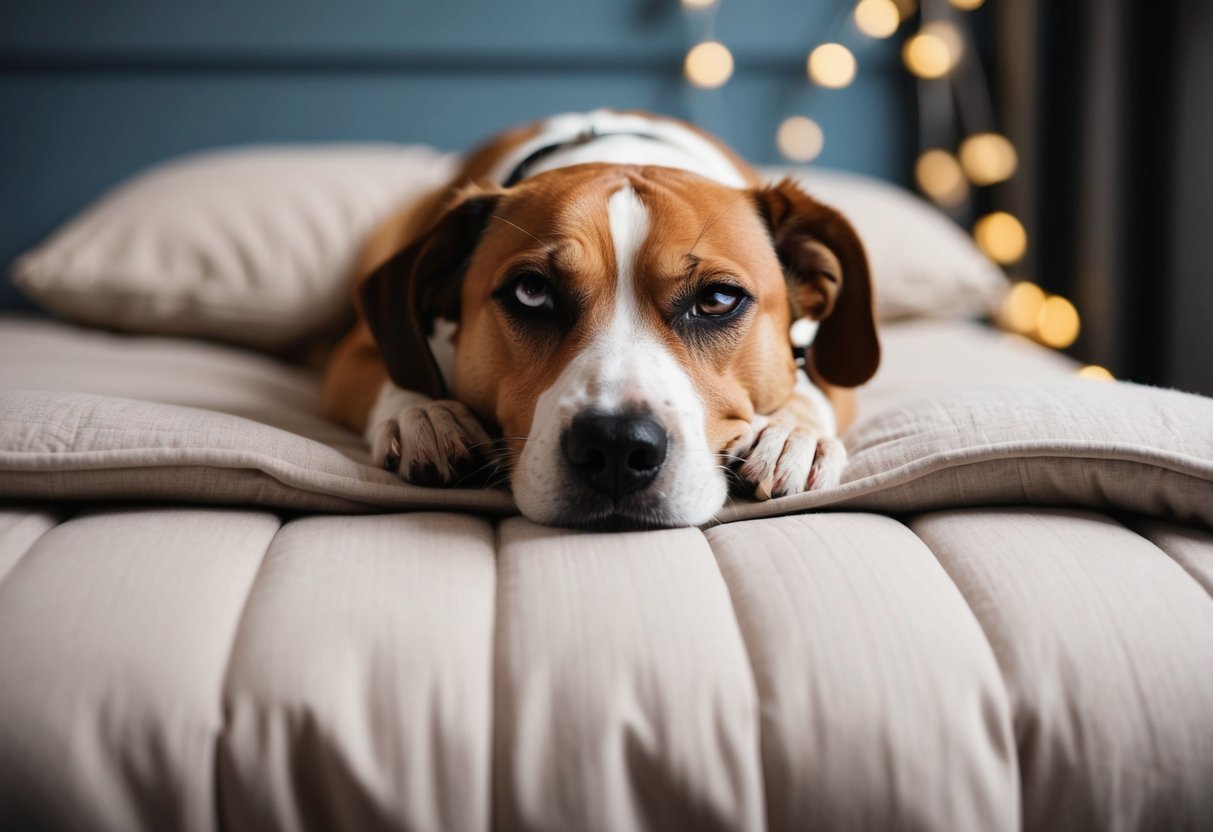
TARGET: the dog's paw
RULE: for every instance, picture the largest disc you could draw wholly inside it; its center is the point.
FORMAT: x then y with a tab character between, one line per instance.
436	443
787	459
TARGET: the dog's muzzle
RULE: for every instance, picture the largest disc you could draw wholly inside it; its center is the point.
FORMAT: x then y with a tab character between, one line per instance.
615	455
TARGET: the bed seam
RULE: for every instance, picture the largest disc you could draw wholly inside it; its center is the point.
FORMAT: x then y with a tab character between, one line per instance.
224	726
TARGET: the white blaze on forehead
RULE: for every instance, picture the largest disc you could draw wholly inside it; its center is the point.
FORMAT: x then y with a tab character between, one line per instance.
629	223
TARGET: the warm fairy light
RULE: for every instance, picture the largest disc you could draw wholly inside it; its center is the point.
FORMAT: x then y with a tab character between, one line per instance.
964	5
877	18
832	65
947	32
709	64
938	175
1021	307
800	139
1095	373
1001	237
988	158
1057	323
934	51
698	4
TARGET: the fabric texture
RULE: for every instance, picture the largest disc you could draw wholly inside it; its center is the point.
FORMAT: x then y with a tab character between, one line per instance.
1105	644
202	668
253	246
1048	440
195	669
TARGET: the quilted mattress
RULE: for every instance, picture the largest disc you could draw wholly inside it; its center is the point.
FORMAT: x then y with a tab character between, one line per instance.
993	664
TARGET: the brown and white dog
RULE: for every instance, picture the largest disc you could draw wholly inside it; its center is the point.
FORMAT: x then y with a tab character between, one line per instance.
608	298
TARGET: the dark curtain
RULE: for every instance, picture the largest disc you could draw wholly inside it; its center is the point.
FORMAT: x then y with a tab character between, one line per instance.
1110	104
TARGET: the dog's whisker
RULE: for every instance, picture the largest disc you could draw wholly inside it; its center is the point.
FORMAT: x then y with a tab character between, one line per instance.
519	227
714	220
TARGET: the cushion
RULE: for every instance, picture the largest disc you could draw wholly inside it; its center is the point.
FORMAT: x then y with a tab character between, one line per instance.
254	246
923	264
1051	441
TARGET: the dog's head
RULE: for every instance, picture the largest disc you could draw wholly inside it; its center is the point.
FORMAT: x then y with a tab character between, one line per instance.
622	326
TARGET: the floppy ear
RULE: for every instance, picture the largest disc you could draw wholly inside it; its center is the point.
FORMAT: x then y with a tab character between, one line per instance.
827	274
424	281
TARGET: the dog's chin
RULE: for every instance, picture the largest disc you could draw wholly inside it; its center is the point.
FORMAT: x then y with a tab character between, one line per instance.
600	515
582	509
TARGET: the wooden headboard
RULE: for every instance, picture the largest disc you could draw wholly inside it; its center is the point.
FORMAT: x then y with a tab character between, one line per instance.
91	92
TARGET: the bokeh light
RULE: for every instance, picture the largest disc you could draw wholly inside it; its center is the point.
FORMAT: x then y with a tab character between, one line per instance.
939	176
800	139
988	158
1001	237
1021	307
831	65
934	51
698	4
877	18
1095	373
1057	324
967	5
709	64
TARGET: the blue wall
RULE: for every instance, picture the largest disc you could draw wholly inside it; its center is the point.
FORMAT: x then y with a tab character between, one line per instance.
91	92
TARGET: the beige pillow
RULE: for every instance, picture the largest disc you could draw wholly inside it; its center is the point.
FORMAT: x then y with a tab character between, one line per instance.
252	246
1066	441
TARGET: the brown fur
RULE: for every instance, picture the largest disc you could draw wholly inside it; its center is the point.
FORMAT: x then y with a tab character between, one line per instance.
697	227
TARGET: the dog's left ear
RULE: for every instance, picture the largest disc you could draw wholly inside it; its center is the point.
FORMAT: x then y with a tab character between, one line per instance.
828	281
424	281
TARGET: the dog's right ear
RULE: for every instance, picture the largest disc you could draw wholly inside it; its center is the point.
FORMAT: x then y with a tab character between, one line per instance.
424	281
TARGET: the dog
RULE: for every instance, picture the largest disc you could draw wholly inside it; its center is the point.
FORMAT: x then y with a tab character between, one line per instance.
616	303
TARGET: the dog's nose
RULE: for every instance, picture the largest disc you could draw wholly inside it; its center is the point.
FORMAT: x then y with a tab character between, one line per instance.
615	455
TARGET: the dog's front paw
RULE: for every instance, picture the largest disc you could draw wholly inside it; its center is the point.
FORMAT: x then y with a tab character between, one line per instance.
436	443
787	459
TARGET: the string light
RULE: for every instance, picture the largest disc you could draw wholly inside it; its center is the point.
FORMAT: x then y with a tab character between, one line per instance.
800	139
709	64
1021	307
1095	373
934	51
832	65
1001	237
988	158
939	176
982	159
1057	323
877	18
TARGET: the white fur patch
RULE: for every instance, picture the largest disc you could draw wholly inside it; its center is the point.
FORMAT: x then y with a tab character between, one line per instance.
825	410
624	367
679	146
803	332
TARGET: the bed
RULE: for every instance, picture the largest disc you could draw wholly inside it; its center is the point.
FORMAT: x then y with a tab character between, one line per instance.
214	613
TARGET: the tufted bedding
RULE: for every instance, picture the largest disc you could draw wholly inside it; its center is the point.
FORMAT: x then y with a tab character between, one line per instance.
214	614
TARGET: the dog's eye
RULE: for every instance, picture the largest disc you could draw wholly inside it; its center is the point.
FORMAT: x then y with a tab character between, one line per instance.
533	291
717	301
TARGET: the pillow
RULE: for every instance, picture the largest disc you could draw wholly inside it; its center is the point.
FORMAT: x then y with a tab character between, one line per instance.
923	264
252	246
1058	442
